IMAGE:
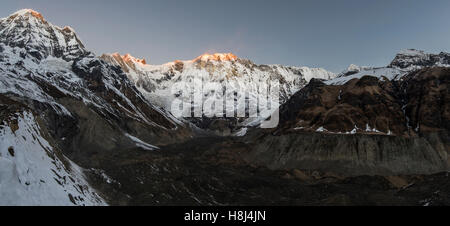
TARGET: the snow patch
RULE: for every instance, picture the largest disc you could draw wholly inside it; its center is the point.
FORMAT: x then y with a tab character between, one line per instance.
241	132
141	144
321	129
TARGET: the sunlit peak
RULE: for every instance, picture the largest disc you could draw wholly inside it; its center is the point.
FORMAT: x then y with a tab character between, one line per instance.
23	12
127	57
217	57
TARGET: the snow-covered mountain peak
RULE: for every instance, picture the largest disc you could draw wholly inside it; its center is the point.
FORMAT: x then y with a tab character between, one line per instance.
353	67
309	73
27	13
216	57
127	62
412	59
29	30
127	57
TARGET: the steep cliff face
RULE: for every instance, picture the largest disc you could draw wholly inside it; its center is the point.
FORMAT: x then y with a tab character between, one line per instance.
427	96
366	125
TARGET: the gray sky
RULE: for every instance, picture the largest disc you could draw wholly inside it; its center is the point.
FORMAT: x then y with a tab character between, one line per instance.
330	34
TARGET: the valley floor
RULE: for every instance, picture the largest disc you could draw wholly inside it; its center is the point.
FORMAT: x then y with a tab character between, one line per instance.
210	171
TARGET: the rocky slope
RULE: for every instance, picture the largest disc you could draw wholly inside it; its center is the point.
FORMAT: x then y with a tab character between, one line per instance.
365	126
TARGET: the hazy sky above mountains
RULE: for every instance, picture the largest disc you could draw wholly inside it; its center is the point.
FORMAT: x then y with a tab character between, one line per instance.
330	34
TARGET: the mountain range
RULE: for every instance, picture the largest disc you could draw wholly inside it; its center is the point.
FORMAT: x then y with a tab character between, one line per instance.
81	129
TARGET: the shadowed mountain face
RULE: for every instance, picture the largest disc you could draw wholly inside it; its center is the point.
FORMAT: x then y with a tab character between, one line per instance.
77	129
